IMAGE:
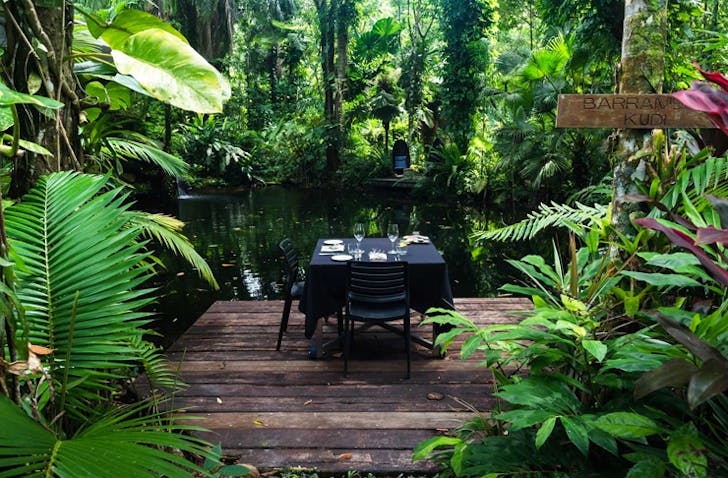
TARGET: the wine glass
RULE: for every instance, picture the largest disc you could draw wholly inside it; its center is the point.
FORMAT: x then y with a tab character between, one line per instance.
359	234
393	235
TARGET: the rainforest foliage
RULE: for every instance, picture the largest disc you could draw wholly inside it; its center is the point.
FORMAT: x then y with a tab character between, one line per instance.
619	370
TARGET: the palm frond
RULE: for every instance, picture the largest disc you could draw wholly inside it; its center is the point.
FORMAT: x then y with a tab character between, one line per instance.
554	215
708	177
157	368
121	443
80	280
143	149
167	230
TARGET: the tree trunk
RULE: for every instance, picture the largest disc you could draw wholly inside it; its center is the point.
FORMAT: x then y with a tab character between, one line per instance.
642	71
326	19
39	43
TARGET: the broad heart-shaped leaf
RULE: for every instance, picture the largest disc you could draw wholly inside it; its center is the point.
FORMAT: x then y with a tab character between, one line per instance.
73	241
673	373
125	24
12	97
172	71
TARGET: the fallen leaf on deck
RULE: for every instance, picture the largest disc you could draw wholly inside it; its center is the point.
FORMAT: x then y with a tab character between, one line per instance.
307	402
219	400
260	423
435	396
345	456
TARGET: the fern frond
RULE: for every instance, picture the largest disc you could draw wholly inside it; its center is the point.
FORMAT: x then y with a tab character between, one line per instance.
142	149
554	215
167	230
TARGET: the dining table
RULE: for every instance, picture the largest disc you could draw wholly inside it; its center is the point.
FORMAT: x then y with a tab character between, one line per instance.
326	277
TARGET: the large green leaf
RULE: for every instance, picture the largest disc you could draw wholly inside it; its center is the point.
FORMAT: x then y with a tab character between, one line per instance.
162	61
72	241
12	97
627	425
663	280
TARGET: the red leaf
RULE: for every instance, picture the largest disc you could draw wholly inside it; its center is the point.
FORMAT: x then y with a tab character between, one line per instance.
711	101
681	239
711	235
715	77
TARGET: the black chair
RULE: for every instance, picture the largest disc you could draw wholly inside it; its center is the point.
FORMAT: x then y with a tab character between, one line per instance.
294	287
377	293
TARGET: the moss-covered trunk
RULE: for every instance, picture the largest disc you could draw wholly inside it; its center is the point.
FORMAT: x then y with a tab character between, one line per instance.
641	71
38	60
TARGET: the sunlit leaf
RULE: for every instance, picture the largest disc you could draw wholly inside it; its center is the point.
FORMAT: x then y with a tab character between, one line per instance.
544	432
596	348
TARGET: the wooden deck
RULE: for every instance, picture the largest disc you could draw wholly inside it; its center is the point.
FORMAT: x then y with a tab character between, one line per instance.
273	409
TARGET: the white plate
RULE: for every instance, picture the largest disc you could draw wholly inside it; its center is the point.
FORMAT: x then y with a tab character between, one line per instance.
332	242
341	257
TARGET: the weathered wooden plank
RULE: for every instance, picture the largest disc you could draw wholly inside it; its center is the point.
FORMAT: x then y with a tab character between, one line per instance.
352	403
335	420
630	111
279	408
356	376
350	439
330	460
407	392
303	366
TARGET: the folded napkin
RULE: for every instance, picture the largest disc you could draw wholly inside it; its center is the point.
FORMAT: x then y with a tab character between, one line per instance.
332	248
416	239
377	256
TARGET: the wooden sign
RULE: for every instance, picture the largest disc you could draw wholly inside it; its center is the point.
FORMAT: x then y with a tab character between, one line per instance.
627	112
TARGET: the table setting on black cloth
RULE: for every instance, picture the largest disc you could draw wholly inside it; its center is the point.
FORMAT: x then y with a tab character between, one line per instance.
324	293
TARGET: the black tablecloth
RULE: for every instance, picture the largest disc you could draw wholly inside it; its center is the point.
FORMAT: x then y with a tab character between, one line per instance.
326	281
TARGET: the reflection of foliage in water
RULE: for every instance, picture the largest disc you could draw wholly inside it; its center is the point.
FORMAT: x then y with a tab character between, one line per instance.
239	235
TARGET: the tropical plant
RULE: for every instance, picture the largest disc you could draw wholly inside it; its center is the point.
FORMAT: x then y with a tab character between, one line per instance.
73	332
203	142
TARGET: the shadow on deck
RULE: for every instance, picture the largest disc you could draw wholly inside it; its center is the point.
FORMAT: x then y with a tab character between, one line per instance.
271	409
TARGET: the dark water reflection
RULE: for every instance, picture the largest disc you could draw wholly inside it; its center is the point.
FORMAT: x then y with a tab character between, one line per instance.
239	235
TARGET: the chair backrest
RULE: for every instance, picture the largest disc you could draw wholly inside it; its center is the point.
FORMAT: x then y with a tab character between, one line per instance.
378	282
290	254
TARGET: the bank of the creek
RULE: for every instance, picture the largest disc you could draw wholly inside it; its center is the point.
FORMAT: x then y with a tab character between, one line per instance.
239	233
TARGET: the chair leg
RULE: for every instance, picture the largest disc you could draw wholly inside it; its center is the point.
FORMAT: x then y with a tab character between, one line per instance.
339	322
347	344
407	337
284	320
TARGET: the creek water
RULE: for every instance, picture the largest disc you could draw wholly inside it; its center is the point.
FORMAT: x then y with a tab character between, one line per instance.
239	233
